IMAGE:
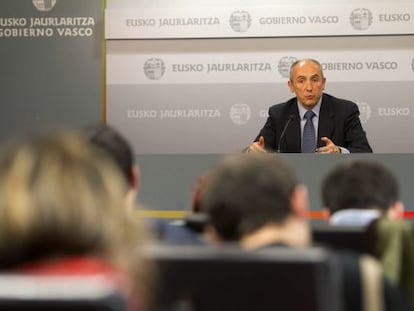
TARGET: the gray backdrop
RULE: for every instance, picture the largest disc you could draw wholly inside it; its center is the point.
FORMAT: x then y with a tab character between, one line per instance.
48	81
167	180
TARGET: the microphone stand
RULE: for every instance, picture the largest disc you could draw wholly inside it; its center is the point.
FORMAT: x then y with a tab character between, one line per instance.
283	132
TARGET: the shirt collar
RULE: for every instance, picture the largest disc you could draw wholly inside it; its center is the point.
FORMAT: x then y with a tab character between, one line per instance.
354	217
315	109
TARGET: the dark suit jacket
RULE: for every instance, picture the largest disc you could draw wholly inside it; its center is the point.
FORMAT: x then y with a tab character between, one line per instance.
338	120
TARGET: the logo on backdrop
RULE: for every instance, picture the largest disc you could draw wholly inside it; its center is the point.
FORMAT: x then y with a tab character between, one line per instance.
240	113
154	68
361	19
284	65
364	111
44	5
240	21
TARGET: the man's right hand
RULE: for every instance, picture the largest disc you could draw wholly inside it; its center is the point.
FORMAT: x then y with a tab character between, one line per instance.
257	146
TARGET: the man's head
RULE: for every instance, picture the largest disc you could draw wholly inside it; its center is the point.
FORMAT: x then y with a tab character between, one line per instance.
247	192
307	82
362	185
107	138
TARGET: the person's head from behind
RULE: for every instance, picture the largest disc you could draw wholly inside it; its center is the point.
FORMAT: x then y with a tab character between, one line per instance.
60	197
119	149
362	185
246	194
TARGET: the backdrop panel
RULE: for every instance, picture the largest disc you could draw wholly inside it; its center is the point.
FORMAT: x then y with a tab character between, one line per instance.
51	64
212	96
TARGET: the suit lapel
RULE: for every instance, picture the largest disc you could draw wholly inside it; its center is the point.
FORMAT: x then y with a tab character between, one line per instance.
326	119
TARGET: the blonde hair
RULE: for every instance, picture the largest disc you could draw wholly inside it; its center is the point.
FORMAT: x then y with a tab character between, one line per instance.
61	197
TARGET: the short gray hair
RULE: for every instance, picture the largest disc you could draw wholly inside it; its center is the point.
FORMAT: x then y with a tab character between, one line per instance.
304	60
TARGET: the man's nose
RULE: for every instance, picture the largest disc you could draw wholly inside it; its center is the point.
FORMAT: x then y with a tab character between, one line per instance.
308	85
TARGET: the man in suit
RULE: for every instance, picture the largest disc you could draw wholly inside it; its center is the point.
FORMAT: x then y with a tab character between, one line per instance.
334	122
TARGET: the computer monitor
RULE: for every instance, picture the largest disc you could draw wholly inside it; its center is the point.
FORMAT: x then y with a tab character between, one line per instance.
202	278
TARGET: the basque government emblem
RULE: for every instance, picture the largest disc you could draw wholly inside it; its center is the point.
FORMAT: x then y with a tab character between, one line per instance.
44	5
364	112
154	68
284	65
240	21
361	19
240	113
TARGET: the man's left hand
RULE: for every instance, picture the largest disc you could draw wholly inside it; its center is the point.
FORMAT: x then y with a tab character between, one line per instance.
329	147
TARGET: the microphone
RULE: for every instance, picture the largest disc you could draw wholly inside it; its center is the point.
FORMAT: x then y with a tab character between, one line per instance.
291	117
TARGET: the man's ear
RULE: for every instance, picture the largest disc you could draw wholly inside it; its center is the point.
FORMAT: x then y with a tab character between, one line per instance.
323	83
326	213
135	182
299	201
211	235
396	210
131	195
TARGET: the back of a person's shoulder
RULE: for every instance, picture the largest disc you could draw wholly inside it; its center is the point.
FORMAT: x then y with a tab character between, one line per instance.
364	284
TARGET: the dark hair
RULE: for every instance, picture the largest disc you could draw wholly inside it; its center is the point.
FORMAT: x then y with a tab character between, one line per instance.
118	148
361	185
247	191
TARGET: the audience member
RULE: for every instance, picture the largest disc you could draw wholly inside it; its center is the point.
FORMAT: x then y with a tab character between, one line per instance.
189	230
366	193
257	201
358	192
60	213
394	246
119	149
117	146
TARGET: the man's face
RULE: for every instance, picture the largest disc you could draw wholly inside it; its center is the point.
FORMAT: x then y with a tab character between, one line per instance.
307	83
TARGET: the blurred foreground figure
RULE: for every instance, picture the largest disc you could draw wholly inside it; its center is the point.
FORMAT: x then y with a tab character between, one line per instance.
356	193
62	213
367	193
119	149
256	201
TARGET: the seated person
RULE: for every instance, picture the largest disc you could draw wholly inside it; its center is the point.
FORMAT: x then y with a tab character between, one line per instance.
118	148
312	121
61	214
366	193
186	231
257	201
358	192
393	242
